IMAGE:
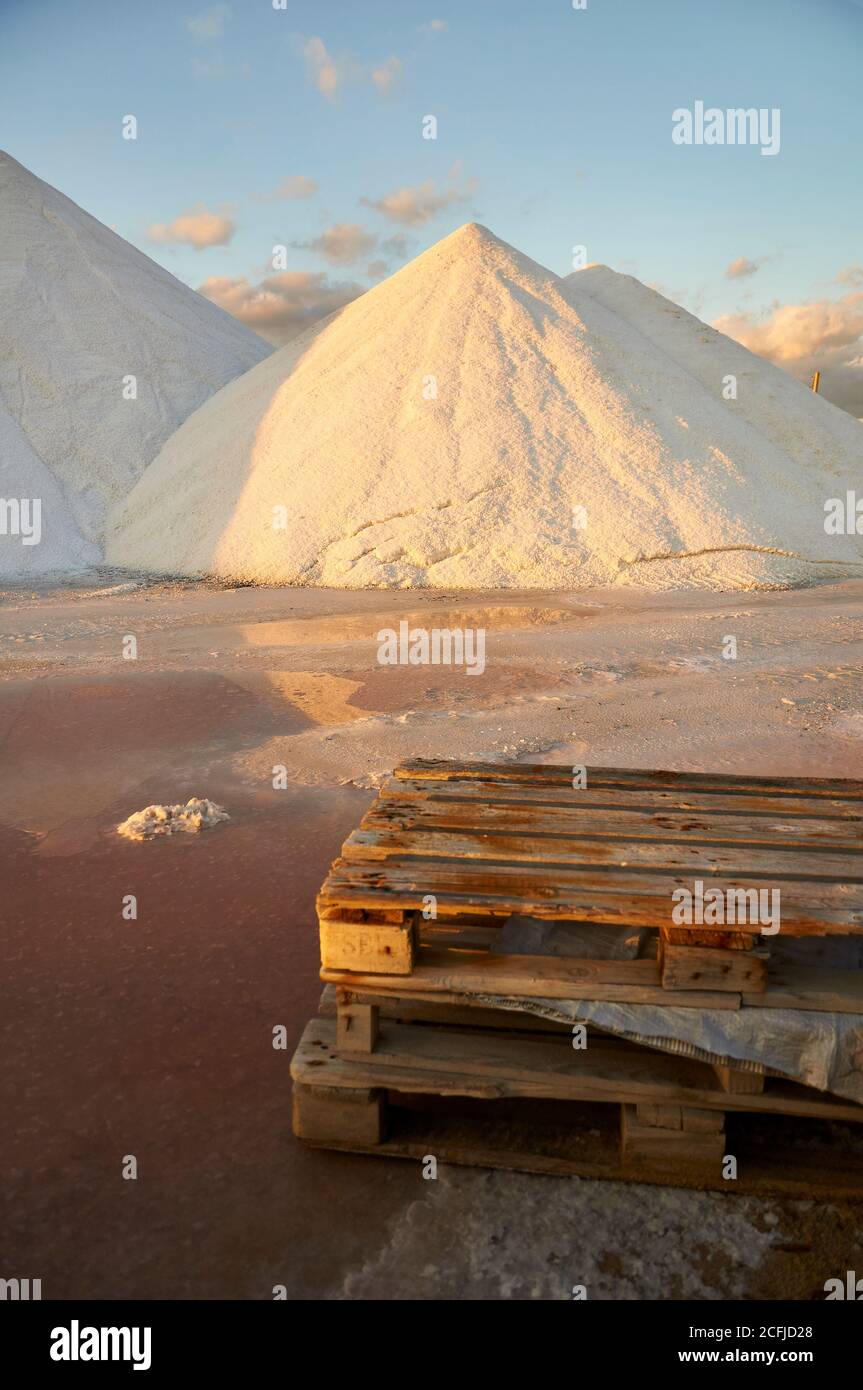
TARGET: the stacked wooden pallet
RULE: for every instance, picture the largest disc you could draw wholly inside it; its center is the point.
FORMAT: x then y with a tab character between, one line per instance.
418	1005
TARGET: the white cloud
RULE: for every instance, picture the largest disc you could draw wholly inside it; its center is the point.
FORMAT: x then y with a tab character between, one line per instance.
434	26
344	244
388	75
824	335
850	275
210	24
294	187
740	268
197	227
414	205
280	306
328	73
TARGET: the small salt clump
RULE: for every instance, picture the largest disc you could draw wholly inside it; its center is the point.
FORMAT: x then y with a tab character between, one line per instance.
167	820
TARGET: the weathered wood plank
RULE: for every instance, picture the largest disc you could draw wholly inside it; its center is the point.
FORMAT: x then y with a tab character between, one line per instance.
376	844
590	822
771	802
449	1061
616	895
448	770
459	975
802	987
551	977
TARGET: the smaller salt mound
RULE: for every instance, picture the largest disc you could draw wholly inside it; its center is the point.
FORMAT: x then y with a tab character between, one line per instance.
168	820
83	313
30	493
808	428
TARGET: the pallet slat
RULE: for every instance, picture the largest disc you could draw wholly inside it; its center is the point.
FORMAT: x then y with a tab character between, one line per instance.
785	864
439	769
454	1061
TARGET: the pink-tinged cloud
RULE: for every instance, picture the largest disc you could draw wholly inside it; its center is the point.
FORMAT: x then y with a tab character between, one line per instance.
344	244
387	76
290	189
850	275
197	227
741	267
328	72
825	335
412	206
434	26
280	306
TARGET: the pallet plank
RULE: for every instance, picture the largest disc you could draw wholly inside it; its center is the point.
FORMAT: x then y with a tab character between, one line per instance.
712	802
447	770
538	977
791	864
589	822
618	895
444	1061
460	975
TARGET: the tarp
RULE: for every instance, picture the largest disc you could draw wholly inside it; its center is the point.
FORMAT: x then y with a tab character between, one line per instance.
823	1050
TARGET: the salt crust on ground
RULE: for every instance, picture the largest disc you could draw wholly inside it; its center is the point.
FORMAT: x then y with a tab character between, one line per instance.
439	431
168	820
528	1237
82	310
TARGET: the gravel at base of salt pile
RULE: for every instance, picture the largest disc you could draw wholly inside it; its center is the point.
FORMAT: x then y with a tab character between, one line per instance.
197	814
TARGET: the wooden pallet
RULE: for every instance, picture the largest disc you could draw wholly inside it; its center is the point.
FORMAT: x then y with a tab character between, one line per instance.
413	1055
410	1078
481	842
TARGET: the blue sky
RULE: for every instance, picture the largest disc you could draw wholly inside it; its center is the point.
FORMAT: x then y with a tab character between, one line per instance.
554	129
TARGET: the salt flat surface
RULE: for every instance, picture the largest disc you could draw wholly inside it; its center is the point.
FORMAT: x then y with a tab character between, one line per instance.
440	430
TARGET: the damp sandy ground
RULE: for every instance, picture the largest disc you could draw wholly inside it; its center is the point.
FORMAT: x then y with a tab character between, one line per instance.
153	1037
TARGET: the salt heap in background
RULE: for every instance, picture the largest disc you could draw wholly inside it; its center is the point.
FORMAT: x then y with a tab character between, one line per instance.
441	429
81	310
59	544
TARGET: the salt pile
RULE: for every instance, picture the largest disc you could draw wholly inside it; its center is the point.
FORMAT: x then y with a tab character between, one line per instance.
168	820
476	421
38	533
83	312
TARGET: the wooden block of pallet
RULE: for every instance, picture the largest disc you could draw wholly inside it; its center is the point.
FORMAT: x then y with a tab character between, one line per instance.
356	1026
324	1114
741	1083
383	948
709	968
683	1117
652	1144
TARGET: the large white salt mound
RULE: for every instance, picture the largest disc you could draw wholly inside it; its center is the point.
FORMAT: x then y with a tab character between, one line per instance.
802	423
441	429
82	309
35	542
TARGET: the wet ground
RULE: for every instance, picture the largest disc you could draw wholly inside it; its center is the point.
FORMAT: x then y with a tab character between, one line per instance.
152	1036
